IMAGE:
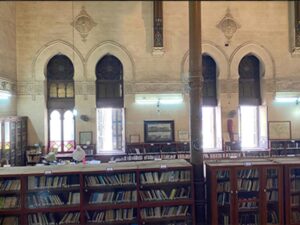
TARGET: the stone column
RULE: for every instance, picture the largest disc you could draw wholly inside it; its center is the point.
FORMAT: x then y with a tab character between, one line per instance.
196	83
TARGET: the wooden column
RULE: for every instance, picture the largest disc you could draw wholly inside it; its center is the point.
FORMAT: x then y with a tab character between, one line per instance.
196	83
158	41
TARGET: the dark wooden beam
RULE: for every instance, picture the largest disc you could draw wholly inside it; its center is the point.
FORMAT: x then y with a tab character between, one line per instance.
158	41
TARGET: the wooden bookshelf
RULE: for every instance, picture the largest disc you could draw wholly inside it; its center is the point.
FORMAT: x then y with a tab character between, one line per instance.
152	151
245	192
13	149
291	189
284	147
108	193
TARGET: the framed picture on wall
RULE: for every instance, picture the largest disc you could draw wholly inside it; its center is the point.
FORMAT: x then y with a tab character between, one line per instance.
85	137
279	130
159	131
134	138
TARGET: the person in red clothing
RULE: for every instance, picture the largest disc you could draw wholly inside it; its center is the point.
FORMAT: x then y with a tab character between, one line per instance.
231	115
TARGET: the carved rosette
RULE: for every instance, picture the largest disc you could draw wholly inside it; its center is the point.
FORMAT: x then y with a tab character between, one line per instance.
228	26
83	23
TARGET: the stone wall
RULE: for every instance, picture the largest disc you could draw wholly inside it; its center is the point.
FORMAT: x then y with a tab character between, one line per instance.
124	29
8	75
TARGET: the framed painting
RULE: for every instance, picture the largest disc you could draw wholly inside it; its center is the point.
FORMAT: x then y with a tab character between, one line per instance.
279	130
85	137
159	131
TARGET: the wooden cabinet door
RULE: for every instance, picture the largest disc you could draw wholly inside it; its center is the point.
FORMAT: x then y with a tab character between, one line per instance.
292	194
247	195
272	199
221	196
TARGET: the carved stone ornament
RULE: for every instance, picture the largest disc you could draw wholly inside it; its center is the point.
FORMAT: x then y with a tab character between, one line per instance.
83	23
228	25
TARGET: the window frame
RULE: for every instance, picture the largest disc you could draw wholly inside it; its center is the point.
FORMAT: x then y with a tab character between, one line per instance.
61	113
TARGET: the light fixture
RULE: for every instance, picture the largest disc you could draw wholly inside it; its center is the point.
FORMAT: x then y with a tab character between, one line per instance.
154	99
4	94
287	97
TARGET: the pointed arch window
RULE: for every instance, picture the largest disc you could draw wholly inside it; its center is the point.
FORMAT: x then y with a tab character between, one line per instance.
211	125
110	103
252	115
209	71
60	103
109	83
249	81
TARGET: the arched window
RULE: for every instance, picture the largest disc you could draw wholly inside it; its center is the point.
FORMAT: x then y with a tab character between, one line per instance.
60	103
109	83
252	117
211	123
249	81
209	71
110	103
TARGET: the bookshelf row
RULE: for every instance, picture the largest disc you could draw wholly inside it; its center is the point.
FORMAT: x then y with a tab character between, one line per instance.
114	193
257	192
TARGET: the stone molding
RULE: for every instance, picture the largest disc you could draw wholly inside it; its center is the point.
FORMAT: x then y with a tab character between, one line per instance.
8	85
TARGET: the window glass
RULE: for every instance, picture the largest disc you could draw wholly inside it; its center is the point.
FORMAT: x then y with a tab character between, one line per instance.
55	130
208	127
249	126
68	125
7	135
110	129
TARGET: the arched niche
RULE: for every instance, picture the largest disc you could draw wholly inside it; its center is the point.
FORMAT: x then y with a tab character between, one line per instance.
267	70
112	48
53	48
216	53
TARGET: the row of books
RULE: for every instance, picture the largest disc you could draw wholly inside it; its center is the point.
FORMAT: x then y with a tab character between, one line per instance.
113	197
222	174
223	219
114	179
272	173
248	185
295	199
295	173
9	202
165	211
111	215
249	219
272	217
159	194
295	185
41	182
50	219
272	183
272	195
9	220
223	198
248	173
248	204
10	185
223	186
44	199
163	177
295	216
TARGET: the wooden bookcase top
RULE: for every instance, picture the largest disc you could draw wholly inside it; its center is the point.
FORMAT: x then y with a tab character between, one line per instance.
78	168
